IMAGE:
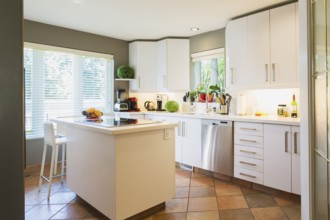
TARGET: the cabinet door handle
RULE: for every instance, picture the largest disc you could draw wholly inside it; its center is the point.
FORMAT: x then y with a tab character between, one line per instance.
179	129
243	174
266	71
295	145
183	129
247	163
248	152
273	67
286	142
246	140
139	82
232	75
251	129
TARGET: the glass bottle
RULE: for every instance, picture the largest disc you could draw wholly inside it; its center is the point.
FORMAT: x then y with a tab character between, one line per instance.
294	107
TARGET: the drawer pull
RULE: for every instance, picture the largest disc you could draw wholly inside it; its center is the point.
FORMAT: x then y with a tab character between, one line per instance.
251	129
248	152
247	163
243	174
246	140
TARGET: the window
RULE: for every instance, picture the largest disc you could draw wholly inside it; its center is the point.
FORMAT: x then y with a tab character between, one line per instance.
208	69
63	82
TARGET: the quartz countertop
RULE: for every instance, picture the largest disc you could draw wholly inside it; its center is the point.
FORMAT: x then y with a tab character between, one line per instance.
113	130
246	118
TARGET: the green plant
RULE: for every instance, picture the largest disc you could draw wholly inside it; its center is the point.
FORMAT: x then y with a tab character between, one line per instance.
201	88
192	96
125	71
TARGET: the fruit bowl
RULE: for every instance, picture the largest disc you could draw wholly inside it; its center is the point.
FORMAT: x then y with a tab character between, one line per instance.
92	113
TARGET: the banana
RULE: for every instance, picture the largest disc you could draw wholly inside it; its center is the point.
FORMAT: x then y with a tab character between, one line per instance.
98	112
90	110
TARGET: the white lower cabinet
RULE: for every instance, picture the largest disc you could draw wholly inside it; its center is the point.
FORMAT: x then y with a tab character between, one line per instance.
187	140
282	157
248	152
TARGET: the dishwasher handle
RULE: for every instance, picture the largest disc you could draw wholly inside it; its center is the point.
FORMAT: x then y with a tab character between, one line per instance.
216	122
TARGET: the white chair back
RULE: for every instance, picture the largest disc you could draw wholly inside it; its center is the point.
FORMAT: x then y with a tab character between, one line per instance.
49	134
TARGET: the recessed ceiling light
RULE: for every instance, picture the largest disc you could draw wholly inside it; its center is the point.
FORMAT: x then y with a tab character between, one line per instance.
194	29
78	1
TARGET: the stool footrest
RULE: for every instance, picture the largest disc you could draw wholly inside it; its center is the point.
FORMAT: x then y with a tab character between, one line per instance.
47	179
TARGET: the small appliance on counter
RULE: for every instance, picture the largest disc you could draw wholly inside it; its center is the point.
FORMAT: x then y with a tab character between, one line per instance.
132	104
161	101
121	104
150	106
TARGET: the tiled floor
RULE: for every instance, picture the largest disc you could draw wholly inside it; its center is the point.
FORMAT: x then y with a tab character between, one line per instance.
198	197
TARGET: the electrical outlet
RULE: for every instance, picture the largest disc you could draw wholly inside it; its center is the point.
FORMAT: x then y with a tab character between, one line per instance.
166	134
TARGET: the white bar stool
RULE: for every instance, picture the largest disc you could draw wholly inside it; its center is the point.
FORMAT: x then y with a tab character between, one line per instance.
55	143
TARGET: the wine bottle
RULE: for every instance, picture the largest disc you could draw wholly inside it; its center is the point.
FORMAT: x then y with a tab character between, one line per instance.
294	107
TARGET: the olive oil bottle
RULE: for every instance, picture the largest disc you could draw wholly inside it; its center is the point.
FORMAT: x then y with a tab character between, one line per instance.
294	107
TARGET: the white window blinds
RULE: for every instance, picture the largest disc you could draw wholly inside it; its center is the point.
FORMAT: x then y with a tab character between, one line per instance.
63	82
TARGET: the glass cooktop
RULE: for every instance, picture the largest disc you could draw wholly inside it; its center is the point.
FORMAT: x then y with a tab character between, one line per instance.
115	122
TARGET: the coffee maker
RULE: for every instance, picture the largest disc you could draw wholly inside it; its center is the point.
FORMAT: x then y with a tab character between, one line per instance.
161	101
132	104
121	104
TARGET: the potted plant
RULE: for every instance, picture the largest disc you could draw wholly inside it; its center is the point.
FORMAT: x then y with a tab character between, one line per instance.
218	90
125	72
202	90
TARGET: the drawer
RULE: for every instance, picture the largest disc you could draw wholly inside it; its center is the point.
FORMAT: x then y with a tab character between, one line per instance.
249	140
249	128
251	152
249	163
249	175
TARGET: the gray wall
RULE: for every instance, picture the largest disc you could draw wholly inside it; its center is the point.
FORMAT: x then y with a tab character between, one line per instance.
11	110
35	32
207	41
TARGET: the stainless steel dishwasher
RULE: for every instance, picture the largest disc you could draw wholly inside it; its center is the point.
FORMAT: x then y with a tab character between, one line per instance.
217	146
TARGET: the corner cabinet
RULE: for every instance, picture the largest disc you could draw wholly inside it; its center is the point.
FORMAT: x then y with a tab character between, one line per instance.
142	57
173	62
268	43
282	157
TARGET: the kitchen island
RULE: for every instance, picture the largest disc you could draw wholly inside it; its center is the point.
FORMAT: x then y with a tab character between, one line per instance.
123	169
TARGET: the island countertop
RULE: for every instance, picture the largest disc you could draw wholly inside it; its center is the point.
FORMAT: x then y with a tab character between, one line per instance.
146	125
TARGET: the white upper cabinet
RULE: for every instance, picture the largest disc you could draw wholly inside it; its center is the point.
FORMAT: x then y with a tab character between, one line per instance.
283	45
236	52
269	58
173	62
258	48
142	57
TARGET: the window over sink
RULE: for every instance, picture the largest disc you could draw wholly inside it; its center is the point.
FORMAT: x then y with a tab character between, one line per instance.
63	82
208	68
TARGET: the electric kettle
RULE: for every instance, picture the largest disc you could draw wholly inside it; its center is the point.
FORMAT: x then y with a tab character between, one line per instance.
150	106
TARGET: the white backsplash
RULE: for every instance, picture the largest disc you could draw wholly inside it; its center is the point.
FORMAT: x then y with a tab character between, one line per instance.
265	101
143	97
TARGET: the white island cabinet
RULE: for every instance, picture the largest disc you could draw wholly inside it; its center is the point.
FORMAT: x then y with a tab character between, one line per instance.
121	171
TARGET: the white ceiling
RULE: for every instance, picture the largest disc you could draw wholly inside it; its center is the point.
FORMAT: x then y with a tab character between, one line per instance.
141	19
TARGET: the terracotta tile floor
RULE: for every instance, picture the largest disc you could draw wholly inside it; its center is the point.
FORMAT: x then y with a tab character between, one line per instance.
198	197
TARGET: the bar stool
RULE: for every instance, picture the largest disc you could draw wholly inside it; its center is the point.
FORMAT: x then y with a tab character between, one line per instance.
54	143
